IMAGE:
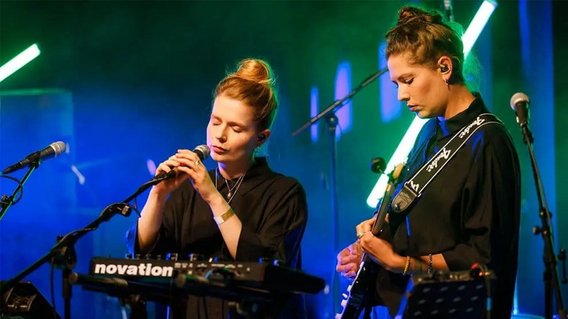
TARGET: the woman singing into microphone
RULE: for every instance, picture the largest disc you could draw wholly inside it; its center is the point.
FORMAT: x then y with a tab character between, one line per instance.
241	210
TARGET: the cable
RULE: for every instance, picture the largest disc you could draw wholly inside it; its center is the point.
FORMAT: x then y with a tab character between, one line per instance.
21	192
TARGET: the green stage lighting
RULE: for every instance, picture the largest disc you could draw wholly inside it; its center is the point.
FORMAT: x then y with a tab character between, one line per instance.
19	61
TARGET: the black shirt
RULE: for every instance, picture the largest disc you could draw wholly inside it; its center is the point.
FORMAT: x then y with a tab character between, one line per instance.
470	212
273	212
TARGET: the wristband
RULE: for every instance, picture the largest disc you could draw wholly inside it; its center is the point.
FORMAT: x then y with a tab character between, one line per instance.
219	219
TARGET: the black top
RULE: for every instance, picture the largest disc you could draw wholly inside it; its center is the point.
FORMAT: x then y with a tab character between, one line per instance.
271	207
470	212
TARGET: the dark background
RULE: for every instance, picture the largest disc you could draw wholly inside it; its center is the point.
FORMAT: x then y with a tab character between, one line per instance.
127	82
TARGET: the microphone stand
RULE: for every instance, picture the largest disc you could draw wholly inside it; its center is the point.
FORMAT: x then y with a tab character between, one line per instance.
550	277
331	120
7	201
62	254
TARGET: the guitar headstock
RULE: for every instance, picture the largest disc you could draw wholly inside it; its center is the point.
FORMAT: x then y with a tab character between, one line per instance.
397	171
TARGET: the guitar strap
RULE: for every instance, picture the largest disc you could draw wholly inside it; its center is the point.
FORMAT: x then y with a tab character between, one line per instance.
414	187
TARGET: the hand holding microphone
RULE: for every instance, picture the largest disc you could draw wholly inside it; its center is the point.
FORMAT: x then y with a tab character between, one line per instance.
202	152
186	165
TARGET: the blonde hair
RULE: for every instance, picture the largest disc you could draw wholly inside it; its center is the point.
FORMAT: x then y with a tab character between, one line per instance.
253	84
427	37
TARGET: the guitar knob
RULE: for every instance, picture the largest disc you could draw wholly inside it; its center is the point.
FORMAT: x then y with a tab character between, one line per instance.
343	303
344	295
349	288
337	316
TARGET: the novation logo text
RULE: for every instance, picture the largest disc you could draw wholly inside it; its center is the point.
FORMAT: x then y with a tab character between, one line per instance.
146	269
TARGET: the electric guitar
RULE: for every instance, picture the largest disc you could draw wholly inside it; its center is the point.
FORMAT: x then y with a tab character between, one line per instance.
358	293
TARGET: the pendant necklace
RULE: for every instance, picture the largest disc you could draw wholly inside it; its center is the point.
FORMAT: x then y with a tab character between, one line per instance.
232	191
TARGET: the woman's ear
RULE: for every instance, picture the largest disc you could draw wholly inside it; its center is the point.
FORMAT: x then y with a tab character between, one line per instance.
445	66
262	137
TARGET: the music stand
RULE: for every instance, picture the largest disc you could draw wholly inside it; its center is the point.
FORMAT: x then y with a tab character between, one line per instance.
448	295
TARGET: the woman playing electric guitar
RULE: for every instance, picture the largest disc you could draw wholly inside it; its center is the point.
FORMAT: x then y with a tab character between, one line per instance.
469	211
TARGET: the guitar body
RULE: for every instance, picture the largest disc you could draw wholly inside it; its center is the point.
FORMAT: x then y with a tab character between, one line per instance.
363	287
360	290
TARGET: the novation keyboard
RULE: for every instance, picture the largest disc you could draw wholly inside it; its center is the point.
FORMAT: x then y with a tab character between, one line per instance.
262	275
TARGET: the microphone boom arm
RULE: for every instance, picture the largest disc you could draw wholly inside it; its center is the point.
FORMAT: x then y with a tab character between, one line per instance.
63	254
337	104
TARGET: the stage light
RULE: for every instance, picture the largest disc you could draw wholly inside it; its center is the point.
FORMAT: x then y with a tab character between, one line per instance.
19	61
342	88
477	24
401	153
314	95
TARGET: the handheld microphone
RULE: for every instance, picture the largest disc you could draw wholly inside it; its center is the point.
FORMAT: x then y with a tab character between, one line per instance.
202	151
520	104
52	150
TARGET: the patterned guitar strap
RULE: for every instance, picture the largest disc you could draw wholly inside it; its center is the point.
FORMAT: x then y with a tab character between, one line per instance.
414	187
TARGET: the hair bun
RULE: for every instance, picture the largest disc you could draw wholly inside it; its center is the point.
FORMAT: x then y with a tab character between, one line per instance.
255	70
408	14
253	84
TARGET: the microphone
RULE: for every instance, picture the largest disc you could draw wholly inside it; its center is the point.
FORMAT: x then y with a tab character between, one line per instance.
520	104
378	165
202	151
52	150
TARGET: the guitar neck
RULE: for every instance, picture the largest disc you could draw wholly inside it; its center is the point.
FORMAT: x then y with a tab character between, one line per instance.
382	211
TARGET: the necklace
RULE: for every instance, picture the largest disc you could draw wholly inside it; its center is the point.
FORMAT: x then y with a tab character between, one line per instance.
232	190
235	187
